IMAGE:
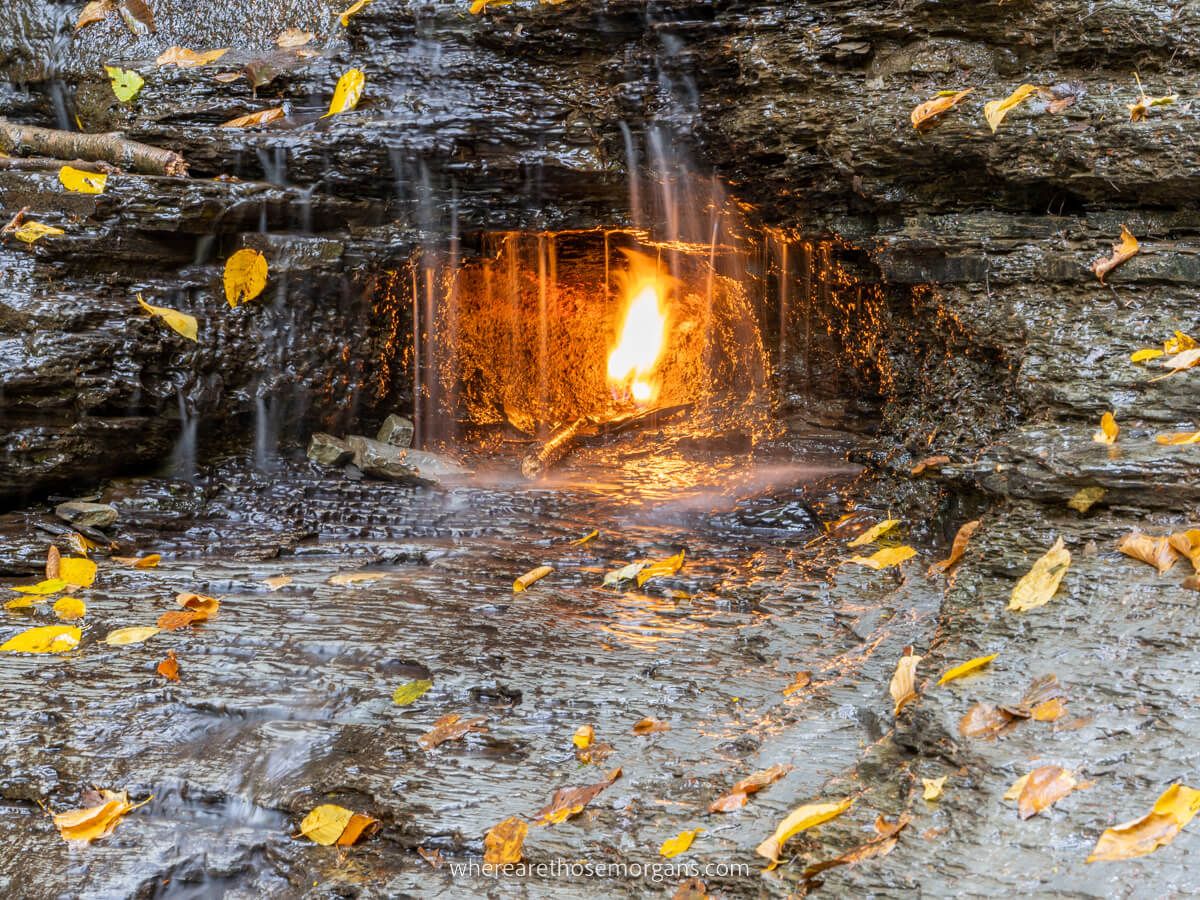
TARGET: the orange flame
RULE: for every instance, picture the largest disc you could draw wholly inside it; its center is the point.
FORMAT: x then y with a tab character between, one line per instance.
632	362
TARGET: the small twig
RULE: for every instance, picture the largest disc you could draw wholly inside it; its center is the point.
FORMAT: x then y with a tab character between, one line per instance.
30	140
45	163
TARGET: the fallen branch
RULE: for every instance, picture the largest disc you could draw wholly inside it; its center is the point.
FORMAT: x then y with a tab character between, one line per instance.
30	140
46	164
556	447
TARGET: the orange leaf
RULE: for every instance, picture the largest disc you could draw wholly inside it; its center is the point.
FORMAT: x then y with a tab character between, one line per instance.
959	547
926	115
502	844
1125	249
1157	551
169	667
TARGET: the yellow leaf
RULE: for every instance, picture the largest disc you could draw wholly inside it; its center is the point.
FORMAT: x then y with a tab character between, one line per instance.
966	668
250	120
245	276
583	737
1109	429
933	787
189	59
295	37
97	821
928	113
125	82
275	582
49	586
150	561
523	583
1085	498
1017	786
69	609
342	578
347	93
135	634
407	693
44	639
590	536
1155	551
478	6
624	573
353	10
1125	249
995	110
502	844
325	824
678	844
82	182
903	686
77	571
1143	355
95	11
874	533
30	232
1171	813
1038	585
21	603
1140	110
1178	343
668	566
179	322
1177	438
885	559
800	819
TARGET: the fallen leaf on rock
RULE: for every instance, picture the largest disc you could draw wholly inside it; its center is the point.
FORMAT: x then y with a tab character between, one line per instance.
929	463
450	728
169	667
293	37
96	11
134	634
1171	813
126	83
903	686
672	847
53	559
1178	438
81	182
179	618
668	566
966	668
1038	585
407	693
1145	354
180	323
984	720
959	547
1187	543
189	59
594	753
800	819
31	232
583	737
650	726
43	639
1048	710
523	583
433	857
275	582
625	573
254	119
799	683
69	609
1180	362
728	802
1192	582
932	787
692	889
568	802
1156	551
42	588
77	571
502	844
343	578
330	824
347	93
874	533
96	821
752	784
1108	431
1178	342
1085	498
885	559
1014	790
199	603
1042	788
245	276
353	10
478	6
888	834
1125	249
590	536
82	545
138	17
995	110
928	113
149	561
1140	110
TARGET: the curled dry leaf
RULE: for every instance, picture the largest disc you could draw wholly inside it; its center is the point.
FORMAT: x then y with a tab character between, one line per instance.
800	819
959	547
583	737
293	37
625	573
189	59
503	842
331	824
98	820
245	276
885	559
799	683
679	844
523	583
1108	431
932	787
966	668
347	93
874	533
43	639
736	797
450	728
995	110
929	463
650	726
1156	551
926	116
1038	585
1125	249
1042	788
1178	438
252	120
1171	813
169	667
904	680
668	566
568	802
180	323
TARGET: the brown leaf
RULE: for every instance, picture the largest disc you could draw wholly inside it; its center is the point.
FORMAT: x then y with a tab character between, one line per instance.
251	120
925	116
179	618
138	17
450	728
433	857
650	726
737	796
959	547
1172	811
96	11
928	463
884	828
799	683
734	800
903	685
169	667
1186	543
1157	551
206	607
502	844
358	827
878	846
1042	689
568	802
1044	787
692	889
594	753
53	562
984	720
1125	249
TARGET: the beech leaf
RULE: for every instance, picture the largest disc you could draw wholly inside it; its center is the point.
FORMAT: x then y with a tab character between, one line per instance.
966	668
134	634
885	559
30	232
928	114
43	639
180	323
69	609
1038	585
126	83
503	842
903	686
1156	551
245	276
1172	811
800	819
347	93
82	182
251	120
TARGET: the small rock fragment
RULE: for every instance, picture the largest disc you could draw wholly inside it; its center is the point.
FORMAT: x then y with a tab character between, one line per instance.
397	431
326	450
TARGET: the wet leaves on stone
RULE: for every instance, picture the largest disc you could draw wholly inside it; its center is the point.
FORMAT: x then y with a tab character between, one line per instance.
330	824
928	464
81	182
958	548
1040	583
126	83
672	847
1180	362
668	566
96	11
253	120
885	559
42	588
873	533
568	802
347	93
800	819
887	836
134	634
926	116
1125	249
180	323
650	726
353	10
245	276
995	110
1085	498
1041	789
189	59
625	573
903	686
96	820
1178	438
168	668
407	693
43	639
450	727
522	583
503	843
138	17
30	232
1171	813
69	609
293	37
931	788
966	668
149	561
739	794
1140	111
1155	551
1108	431
587	538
